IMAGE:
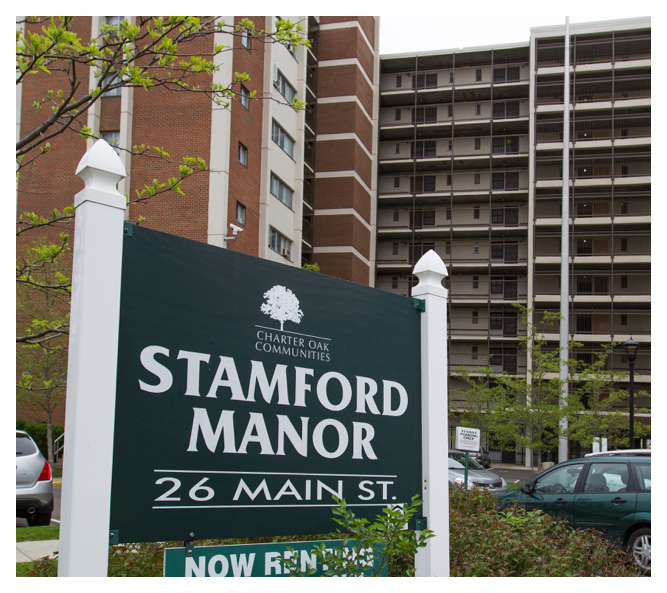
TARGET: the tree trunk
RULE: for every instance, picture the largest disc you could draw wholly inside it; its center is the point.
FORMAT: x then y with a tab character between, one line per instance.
49	437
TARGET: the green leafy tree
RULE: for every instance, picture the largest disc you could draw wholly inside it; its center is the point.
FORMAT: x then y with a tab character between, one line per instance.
598	408
522	410
153	52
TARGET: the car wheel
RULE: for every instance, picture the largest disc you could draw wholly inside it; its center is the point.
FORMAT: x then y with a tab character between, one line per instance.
639	547
39	519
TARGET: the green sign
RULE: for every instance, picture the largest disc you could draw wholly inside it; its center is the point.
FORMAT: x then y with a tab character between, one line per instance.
254	560
249	393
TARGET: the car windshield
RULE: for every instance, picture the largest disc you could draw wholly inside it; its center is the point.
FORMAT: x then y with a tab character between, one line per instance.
457	461
24	445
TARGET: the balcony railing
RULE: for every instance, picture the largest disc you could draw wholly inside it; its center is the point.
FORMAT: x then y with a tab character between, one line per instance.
595	245
598	89
621	204
307	231
406	219
587	167
595	128
463	182
480	252
605	323
512	364
497	290
590	51
617	362
596	283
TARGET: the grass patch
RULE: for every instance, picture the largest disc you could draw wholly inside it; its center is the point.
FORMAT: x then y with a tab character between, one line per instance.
37	534
56	472
513	486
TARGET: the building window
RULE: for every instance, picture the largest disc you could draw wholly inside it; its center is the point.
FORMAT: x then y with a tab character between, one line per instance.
497	216
478	75
449	111
281	191
475	351
110	79
624	319
428	217
429	183
282	139
112	138
280	82
451	77
399	82
478	109
448	248
624	244
624	281
449	180
477	178
476	247
245	39
448	214
478	143
475	281
240	213
394	249
394	282
397	150
398	115
499	110
475	213
243	155
475	317
431	80
397	181
245	97
499	75
395	215
449	145
280	244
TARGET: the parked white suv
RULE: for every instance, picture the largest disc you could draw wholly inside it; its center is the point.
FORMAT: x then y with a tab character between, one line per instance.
34	485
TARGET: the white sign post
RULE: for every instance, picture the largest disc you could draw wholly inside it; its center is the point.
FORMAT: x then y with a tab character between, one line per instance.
433	560
91	371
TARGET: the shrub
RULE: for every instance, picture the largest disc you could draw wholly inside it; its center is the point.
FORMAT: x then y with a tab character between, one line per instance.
37	430
485	542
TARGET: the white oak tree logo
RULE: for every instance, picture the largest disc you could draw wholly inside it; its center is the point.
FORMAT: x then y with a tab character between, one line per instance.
282	305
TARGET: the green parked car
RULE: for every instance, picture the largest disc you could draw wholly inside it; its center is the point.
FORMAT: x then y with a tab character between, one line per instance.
610	493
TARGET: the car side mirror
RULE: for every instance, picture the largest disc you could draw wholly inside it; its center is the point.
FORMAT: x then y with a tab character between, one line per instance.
527	488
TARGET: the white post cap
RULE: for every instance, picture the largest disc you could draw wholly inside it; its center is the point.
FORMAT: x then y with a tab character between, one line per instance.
430	269
101	169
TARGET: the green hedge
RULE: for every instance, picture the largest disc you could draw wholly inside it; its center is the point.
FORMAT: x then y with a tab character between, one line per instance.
37	430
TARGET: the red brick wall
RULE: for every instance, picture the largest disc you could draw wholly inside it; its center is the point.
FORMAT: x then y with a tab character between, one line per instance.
246	127
339	118
343	192
343	265
344	155
343	229
179	122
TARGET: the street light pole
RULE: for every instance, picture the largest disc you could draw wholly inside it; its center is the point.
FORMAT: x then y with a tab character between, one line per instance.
631	347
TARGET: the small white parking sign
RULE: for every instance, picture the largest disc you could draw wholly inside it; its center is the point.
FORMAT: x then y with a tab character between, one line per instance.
467	439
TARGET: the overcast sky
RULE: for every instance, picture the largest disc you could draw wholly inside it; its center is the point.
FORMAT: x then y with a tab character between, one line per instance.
406	34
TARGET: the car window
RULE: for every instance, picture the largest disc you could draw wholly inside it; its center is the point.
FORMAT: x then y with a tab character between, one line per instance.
607	477
457	461
642	476
24	445
562	479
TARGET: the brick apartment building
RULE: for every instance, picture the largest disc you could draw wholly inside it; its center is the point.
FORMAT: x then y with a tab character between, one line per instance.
458	151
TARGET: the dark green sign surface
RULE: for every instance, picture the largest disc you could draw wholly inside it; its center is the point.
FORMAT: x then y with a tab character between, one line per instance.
256	560
250	392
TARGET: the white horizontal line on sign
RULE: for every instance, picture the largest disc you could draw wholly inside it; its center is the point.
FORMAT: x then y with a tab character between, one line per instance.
272	506
204	471
273	329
